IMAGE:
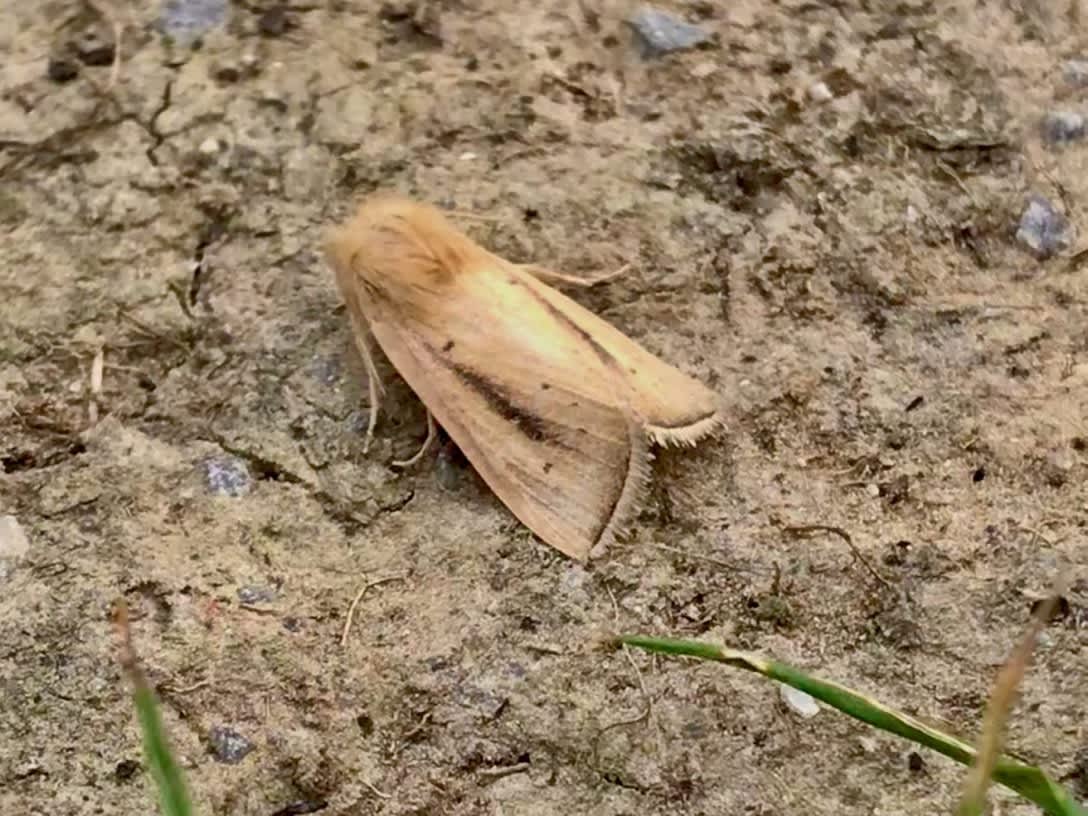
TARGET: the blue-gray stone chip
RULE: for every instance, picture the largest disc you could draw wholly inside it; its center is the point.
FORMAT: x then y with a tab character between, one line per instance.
228	746
252	594
1043	229
1075	71
1063	127
658	33
227	476
185	21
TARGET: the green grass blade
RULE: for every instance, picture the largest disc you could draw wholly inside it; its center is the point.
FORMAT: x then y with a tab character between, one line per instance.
1027	780
169	780
173	796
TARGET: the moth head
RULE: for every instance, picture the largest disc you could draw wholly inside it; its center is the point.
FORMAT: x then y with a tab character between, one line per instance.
396	250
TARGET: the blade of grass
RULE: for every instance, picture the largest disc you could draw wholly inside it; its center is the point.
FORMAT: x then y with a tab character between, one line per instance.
1030	782
1001	701
173	795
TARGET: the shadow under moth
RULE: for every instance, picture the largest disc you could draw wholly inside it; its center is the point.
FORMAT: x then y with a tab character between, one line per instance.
553	407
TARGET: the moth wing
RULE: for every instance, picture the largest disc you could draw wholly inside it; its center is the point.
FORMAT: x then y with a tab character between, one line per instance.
529	403
676	408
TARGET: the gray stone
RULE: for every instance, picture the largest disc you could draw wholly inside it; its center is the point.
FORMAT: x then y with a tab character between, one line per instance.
1043	229
228	746
185	21
658	33
251	594
1063	127
1075	72
227	476
14	545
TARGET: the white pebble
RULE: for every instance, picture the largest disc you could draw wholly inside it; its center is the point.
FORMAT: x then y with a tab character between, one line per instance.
800	702
820	93
14	545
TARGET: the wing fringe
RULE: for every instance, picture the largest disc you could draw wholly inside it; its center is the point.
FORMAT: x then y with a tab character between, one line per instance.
688	435
632	498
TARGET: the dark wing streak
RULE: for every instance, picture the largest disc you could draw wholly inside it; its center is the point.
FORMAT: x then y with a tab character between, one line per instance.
586	337
494	396
530	424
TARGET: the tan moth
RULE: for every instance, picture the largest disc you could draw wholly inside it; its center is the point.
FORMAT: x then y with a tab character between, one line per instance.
554	407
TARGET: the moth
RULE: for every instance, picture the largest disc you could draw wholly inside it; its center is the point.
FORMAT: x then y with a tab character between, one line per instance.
556	409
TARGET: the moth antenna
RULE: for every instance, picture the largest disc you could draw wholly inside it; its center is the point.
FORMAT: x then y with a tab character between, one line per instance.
374	386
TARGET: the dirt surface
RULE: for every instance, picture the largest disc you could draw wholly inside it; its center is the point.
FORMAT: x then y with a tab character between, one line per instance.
840	261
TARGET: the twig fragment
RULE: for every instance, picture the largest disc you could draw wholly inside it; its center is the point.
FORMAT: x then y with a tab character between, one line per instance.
359	597
499	771
809	529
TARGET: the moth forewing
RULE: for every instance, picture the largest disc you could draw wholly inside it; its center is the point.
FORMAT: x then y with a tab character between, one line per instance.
676	408
553	407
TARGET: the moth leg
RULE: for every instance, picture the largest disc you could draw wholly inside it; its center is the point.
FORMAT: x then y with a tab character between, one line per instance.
373	386
550	276
431	434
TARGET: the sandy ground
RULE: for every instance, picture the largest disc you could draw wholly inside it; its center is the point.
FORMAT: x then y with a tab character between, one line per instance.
839	261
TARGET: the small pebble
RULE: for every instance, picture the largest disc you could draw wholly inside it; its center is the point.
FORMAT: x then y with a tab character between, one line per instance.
658	33
573	579
819	92
228	745
1043	229
251	594
800	702
227	476
186	21
14	545
1063	127
210	146
62	70
93	49
357	421
1075	72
